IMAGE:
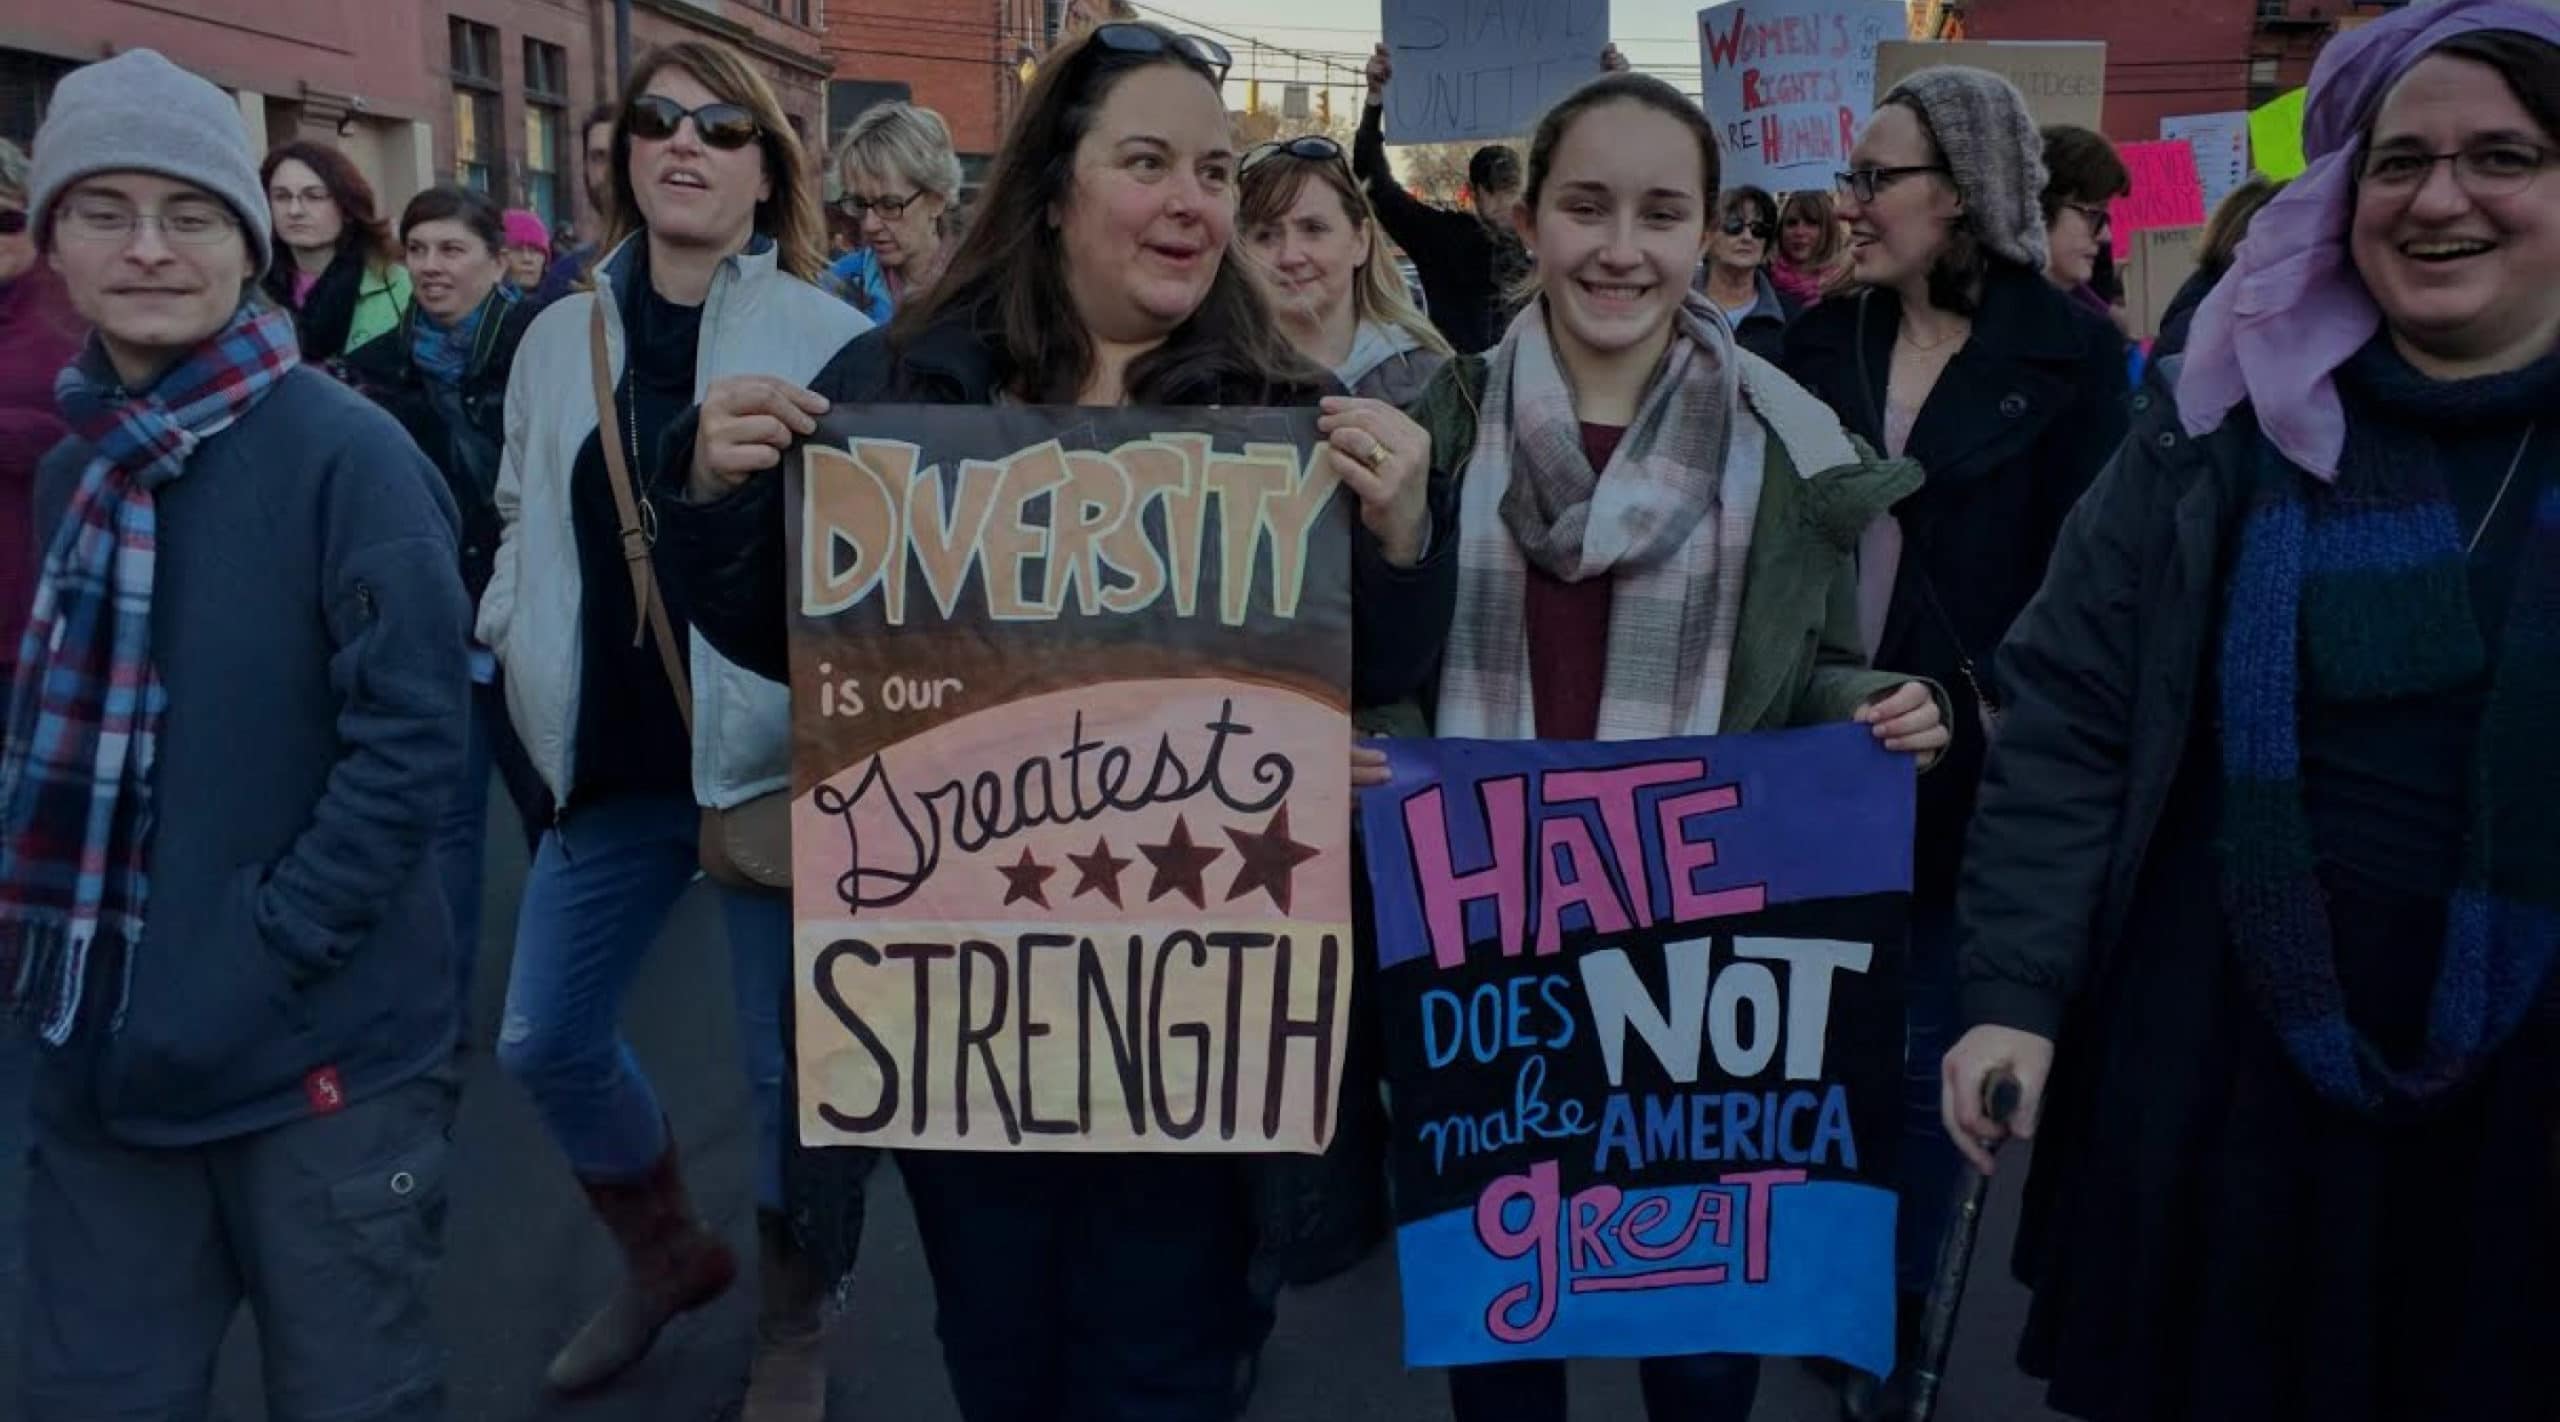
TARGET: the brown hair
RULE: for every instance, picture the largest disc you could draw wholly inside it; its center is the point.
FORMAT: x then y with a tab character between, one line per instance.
363	228
2230	220
790	216
2529	63
1816	206
1009	277
2080	166
1272	188
1631	87
1955	277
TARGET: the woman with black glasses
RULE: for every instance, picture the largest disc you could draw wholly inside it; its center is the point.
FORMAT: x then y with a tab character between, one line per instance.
637	726
1735	275
1320	259
1080	1285
1954	350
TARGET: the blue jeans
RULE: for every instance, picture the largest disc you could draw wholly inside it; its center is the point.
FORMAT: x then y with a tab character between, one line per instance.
602	886
1929	1171
1700	1387
461	843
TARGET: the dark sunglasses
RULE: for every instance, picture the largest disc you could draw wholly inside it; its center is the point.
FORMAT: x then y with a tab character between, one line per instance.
1736	226
13	222
1314	148
1206	55
723	125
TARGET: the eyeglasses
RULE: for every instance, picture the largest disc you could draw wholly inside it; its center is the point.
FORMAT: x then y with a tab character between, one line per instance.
307	198
722	125
191	224
1207	55
889	208
13	221
2483	169
1863	183
1736	226
1314	148
2097	217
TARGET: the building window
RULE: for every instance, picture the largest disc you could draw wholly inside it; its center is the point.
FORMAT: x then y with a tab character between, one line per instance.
2271	9
478	139
546	123
2262	72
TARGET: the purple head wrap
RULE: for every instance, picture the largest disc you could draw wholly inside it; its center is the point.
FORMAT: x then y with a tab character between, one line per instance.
2292	308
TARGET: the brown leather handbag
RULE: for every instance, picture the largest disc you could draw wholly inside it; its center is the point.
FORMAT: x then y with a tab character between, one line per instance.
745	846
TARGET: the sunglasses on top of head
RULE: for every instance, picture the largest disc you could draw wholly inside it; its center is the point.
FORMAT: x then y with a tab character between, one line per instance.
1314	148
1206	55
1736	226
720	125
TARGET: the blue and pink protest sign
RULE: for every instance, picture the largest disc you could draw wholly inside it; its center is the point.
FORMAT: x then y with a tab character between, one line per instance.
1643	1006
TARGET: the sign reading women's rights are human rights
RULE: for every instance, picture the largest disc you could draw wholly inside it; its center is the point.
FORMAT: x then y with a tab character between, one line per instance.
1071	830
1643	1005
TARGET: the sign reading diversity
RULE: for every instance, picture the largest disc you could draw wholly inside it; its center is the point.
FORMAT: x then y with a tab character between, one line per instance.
1789	83
2063	81
1483	70
1071	829
1643	1009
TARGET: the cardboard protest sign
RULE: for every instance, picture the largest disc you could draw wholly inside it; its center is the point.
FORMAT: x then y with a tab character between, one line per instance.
1483	70
2163	259
1071	829
2166	192
2221	144
1789	83
2063	81
2275	135
1643	1010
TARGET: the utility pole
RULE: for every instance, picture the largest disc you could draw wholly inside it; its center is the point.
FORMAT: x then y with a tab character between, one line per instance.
621	45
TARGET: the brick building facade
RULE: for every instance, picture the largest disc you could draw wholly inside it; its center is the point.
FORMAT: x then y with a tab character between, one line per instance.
486	92
966	60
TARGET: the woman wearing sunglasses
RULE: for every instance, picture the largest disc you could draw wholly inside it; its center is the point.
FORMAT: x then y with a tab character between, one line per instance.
1321	261
1735	275
900	179
708	272
40	332
1955	351
1078	1285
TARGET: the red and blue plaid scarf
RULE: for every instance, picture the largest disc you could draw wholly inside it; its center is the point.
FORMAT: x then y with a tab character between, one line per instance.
84	718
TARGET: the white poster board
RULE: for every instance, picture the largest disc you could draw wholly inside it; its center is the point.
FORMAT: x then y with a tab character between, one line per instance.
1789	83
1484	70
2221	142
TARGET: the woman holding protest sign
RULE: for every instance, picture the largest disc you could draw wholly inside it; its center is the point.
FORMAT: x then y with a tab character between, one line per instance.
1078	1284
1955	351
637	727
1618	386
1320	259
2268	841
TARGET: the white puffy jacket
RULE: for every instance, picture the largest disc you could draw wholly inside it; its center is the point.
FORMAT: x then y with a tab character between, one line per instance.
757	320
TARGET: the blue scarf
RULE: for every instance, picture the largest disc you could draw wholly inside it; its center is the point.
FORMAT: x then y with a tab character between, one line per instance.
443	354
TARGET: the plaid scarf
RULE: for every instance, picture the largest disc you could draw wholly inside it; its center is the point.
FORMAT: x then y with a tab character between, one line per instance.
84	720
1670	519
2364	587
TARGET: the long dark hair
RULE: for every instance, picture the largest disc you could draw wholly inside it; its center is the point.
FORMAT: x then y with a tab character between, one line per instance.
363	228
790	217
1009	279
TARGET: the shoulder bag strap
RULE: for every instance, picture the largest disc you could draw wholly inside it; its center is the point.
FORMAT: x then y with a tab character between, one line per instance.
636	532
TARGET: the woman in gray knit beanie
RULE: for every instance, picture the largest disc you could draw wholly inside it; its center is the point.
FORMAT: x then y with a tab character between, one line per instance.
1956	352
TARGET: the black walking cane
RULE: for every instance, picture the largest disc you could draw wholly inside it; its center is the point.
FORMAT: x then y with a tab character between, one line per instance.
1955	1265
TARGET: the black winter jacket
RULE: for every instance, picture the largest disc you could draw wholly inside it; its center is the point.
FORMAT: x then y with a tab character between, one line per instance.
1466	267
463	431
2021	422
2105	675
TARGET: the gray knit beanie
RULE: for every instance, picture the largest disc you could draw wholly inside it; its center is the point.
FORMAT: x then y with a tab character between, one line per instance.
139	113
1990	140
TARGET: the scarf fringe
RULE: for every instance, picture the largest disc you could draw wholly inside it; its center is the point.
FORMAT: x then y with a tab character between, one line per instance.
42	966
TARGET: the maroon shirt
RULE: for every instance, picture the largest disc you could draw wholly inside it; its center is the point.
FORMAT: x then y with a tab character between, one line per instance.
1568	625
39	334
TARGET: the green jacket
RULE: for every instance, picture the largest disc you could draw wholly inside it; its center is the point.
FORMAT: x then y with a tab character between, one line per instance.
380	303
1797	657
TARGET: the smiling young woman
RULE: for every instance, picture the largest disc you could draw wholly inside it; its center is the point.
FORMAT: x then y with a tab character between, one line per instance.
2263	922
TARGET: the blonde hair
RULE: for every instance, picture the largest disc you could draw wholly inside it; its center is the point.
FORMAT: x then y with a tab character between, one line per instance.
897	140
2231	217
13	170
790	216
1379	295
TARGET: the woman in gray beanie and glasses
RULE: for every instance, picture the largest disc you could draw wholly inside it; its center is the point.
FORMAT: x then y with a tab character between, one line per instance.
1955	351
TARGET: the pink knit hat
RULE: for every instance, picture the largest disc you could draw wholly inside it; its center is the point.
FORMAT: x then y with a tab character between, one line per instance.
526	230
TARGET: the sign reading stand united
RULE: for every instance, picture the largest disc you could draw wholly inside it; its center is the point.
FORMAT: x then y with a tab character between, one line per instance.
1643	1007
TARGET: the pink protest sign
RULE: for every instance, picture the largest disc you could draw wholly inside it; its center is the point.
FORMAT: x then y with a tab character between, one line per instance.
2166	191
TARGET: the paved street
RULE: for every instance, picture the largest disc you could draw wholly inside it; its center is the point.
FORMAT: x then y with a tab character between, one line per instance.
524	1260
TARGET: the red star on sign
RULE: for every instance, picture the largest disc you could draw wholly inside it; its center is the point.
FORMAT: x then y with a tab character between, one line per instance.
1025	878
1271	859
1179	865
1099	872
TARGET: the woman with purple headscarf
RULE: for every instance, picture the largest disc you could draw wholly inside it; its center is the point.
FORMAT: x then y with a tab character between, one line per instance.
2270	843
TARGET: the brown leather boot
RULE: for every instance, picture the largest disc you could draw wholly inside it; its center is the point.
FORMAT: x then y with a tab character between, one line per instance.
671	1263
787	1381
